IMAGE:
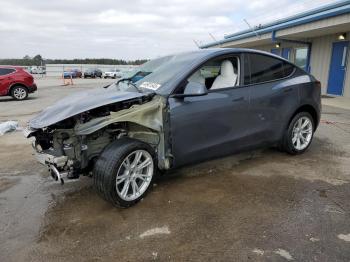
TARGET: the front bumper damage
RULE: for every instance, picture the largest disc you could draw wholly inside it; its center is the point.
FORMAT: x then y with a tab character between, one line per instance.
59	166
71	148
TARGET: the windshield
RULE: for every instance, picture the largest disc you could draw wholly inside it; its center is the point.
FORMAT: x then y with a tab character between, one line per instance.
155	73
148	67
168	70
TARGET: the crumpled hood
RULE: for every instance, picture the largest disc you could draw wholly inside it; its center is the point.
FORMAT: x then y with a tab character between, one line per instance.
78	103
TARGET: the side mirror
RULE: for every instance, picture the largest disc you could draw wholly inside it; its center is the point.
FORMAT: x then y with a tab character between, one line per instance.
193	89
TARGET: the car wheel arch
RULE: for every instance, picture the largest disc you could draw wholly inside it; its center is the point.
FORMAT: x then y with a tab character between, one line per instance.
137	132
15	85
309	109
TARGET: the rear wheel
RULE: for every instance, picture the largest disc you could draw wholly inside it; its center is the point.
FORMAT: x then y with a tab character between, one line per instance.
124	172
19	92
299	134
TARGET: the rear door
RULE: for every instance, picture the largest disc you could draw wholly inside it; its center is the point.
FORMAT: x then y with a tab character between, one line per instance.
273	95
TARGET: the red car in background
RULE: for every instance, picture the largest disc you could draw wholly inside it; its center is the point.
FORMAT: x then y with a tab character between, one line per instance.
16	82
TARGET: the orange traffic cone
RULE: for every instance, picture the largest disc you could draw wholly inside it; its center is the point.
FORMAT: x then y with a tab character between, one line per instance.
68	81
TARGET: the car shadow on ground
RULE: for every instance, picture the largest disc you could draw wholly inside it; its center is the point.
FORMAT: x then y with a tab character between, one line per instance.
10	99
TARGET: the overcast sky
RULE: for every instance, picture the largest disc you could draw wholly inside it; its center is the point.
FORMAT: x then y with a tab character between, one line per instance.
128	29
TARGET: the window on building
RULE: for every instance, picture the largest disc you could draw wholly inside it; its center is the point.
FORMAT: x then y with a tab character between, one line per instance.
286	53
301	57
276	51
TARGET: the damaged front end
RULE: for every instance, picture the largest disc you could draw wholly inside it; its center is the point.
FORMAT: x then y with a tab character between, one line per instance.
70	135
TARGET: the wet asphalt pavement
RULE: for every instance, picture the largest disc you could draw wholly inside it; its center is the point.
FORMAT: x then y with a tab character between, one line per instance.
255	206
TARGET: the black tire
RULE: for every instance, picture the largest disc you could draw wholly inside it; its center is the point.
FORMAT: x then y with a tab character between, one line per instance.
287	143
19	92
108	164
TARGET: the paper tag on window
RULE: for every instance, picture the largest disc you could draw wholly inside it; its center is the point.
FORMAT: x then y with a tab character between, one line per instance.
149	85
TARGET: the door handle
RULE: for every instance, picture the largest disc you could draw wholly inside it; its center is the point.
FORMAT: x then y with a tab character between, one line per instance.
238	99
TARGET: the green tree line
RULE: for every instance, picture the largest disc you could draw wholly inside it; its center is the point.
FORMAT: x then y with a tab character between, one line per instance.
38	60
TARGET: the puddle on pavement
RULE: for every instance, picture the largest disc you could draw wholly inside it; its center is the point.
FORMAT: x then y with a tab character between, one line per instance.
6	183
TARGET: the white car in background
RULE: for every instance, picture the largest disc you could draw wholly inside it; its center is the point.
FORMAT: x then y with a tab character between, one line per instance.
113	73
37	70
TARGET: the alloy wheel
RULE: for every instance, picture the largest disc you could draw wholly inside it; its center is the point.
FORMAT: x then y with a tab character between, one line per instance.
134	175
19	93
302	133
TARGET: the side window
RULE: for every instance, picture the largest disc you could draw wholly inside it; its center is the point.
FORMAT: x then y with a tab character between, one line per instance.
246	69
218	73
264	68
6	71
288	69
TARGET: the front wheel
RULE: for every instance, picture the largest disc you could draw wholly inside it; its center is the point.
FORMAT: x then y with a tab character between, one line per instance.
124	172
298	136
19	92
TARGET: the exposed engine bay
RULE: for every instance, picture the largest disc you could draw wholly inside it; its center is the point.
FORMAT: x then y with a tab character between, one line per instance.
70	147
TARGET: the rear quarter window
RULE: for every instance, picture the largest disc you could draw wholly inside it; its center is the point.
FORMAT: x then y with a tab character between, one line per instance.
6	71
263	68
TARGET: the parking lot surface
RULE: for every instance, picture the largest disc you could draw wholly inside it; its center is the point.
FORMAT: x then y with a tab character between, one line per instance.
256	206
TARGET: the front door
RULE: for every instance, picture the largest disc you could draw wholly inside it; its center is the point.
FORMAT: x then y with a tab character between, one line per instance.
208	126
337	68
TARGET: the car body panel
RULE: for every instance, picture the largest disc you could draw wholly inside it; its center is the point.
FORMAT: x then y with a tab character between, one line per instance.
18	77
93	73
114	73
220	117
270	104
74	73
78	103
